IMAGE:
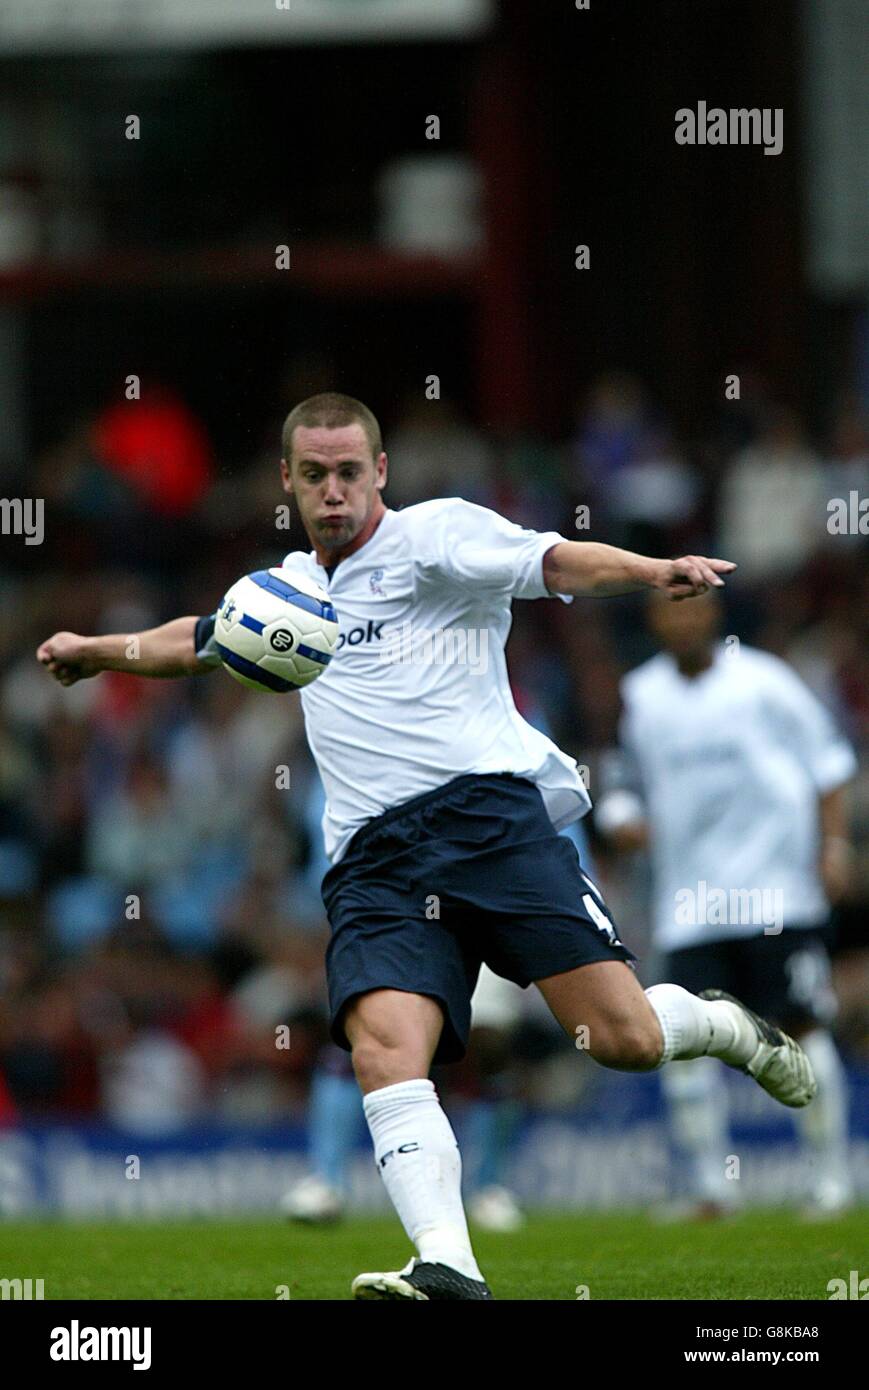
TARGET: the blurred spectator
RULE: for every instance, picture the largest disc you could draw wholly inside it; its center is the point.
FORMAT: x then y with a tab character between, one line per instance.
158	447
625	466
136	837
434	453
772	506
152	1083
847	468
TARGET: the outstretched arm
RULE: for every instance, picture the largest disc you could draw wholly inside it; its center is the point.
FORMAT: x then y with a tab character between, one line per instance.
161	651
587	567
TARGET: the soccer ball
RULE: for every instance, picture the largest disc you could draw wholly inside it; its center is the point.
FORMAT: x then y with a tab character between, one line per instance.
276	630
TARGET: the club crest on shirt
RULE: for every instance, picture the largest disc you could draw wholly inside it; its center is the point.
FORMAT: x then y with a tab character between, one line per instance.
375	581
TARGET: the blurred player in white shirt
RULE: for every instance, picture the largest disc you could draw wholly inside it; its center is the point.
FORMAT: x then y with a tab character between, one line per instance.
733	776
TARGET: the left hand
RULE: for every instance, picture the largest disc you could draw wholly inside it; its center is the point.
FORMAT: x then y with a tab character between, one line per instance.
692	575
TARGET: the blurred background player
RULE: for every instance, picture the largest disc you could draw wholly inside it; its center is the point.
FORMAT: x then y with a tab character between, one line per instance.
733	775
334	1118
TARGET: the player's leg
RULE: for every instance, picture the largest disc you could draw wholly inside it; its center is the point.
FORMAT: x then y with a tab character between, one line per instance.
334	1119
400	983
602	1007
823	1127
494	1112
497	1009
548	922
695	1094
636	1030
788	978
393	1037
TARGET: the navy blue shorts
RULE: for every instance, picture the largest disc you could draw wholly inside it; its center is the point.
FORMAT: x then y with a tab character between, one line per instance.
471	872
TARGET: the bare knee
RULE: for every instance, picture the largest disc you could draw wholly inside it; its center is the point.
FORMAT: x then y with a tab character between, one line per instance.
629	1045
392	1038
618	1025
378	1064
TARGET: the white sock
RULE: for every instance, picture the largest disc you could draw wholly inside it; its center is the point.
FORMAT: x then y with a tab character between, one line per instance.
698	1110
823	1125
695	1027
420	1163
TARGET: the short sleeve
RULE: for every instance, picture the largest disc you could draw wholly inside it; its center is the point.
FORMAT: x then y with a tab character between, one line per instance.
471	545
204	642
809	729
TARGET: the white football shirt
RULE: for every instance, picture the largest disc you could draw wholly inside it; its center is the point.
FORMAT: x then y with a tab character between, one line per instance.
417	692
730	765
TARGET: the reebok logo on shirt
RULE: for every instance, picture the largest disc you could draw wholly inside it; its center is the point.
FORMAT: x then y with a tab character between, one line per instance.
372	633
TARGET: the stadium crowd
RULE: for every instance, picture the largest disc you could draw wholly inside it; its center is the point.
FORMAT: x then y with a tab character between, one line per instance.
159	906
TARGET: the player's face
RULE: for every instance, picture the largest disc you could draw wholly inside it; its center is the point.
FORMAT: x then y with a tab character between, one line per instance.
336	481
686	629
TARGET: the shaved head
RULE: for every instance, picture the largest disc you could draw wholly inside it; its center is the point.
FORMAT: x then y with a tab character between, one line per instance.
332	411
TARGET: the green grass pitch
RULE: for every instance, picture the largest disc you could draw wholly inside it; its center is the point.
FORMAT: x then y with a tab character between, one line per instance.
761	1255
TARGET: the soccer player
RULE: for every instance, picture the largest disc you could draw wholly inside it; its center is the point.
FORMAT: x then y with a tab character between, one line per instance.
734	776
443	808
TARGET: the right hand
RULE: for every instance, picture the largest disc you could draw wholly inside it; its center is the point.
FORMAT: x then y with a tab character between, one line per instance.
691	576
68	657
